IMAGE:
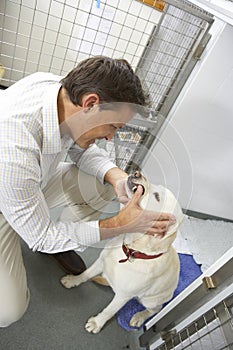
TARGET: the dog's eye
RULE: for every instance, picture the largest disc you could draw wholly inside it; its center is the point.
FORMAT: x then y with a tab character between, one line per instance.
157	197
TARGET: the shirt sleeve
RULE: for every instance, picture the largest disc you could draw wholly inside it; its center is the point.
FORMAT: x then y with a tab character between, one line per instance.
93	160
24	207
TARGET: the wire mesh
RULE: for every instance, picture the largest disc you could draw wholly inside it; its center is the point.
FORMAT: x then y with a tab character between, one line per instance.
54	35
168	50
207	332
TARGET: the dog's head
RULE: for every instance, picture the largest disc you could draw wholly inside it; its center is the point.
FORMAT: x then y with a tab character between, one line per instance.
155	197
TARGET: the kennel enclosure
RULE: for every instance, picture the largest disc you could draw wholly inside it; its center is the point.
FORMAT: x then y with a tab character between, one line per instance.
162	45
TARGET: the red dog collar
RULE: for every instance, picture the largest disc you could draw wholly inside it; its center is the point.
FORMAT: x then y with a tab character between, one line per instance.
132	254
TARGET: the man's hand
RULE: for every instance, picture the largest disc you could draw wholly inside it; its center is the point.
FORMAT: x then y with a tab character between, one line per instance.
117	178
132	218
120	190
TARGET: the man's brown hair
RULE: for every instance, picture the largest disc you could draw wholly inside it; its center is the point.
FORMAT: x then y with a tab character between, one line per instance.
113	80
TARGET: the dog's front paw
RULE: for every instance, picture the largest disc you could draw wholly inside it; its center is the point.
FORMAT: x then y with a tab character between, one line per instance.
92	325
139	318
69	281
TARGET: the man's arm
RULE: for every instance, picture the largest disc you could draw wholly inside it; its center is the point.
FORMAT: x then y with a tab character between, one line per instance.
132	218
24	207
93	160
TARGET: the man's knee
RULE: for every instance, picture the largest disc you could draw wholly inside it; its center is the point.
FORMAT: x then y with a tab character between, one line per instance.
13	308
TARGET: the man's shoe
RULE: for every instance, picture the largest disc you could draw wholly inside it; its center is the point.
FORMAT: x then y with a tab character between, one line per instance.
70	262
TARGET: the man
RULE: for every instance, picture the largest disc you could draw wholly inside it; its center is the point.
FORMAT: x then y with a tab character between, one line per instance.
42	118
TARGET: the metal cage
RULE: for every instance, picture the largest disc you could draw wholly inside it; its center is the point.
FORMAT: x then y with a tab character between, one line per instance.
162	47
200	318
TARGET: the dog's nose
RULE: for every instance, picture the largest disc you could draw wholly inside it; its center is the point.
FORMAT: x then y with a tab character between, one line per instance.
137	174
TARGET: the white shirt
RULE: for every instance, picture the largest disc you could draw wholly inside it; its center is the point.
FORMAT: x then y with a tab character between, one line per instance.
31	148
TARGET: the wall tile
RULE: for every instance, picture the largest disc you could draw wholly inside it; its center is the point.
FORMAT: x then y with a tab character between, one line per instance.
29	3
111	41
45	59
135	8
136	36
141	24
7	49
8	37
40	18
38	32
56	9
53	23
30	67
50	36
33	56
126	33
100	38
122	45
12	9
16	75
97	49
71	55
59	51
82	18
43	5
26	14
68	65
10	24
131	21
35	45
116	29
124	5
24	28
132	48
69	13
22	40
6	60
120	17
85	5
47	48
18	64
66	27
20	52
1	20
62	40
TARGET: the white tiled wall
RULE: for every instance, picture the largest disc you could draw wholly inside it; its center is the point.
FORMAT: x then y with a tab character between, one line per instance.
53	35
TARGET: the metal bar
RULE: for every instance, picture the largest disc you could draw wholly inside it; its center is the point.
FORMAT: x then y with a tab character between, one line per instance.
206	321
194	10
224	315
194	300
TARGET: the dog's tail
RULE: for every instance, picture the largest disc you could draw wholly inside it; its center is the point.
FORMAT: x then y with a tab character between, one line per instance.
100	280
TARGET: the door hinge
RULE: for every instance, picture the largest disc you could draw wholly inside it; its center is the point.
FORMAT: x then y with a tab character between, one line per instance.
201	47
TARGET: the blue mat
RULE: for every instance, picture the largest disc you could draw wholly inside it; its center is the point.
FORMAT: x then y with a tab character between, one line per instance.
189	271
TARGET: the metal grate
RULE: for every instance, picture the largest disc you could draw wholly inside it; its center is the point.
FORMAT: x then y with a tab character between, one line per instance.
54	35
199	318
169	48
213	330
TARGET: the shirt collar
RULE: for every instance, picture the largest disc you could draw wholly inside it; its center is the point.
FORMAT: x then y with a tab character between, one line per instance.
51	132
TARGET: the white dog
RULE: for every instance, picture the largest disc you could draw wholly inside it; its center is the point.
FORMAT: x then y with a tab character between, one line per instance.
137	265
